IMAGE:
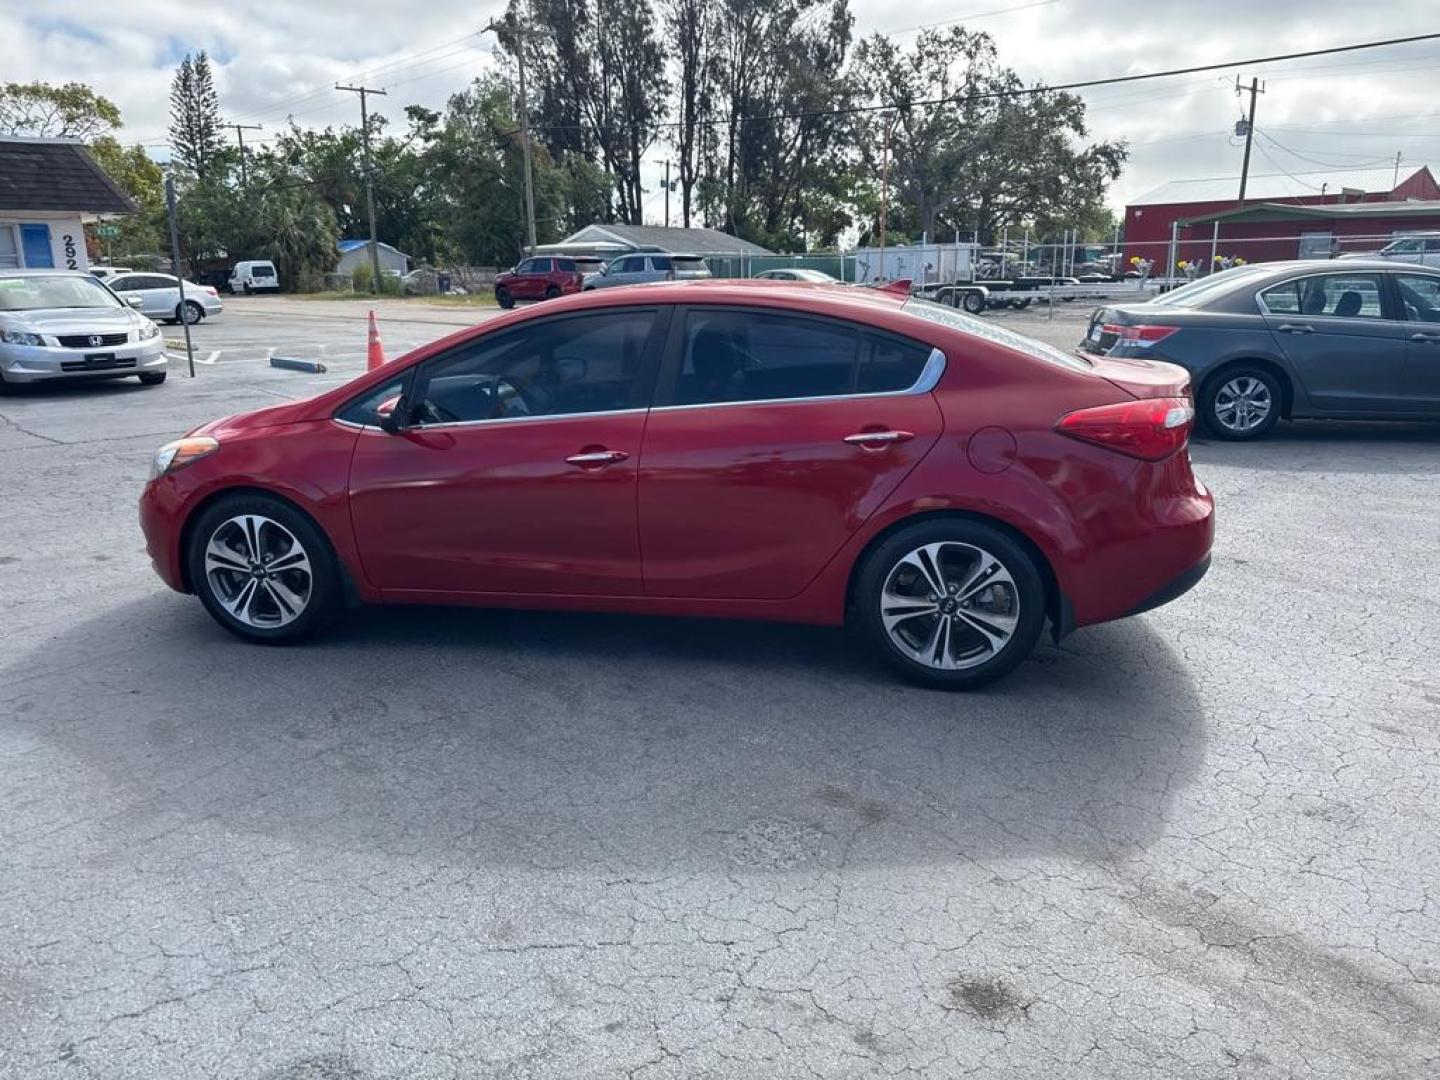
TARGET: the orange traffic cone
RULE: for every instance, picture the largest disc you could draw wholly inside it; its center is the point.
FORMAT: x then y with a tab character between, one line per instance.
375	354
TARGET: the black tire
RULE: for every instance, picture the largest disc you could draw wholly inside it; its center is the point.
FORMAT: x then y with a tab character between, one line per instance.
503	298
6	388
966	540
191	314
325	600
246	288
1219	391
973	303
152	378
552	293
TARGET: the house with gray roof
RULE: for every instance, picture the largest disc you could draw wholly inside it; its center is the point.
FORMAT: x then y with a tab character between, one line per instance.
610	240
49	189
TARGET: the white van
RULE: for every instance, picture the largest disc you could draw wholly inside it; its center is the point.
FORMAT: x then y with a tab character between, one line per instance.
253	275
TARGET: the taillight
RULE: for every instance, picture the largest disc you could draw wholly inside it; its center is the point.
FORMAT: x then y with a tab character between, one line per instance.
1151	429
1142	337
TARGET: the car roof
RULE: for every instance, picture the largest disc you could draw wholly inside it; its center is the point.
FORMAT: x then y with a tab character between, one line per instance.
1342	266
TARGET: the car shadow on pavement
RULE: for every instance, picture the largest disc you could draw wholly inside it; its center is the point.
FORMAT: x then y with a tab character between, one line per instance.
606	743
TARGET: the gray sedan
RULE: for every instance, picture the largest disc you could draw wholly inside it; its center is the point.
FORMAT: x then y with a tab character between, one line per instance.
1351	340
651	266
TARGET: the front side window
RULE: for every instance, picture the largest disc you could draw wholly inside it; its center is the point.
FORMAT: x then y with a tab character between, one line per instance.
556	367
1345	296
362	409
527	266
1420	296
1403	247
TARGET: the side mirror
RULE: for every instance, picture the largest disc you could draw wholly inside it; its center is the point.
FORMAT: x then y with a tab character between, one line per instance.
134	301
389	412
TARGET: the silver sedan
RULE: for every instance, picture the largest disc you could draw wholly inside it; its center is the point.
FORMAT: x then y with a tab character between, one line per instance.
63	324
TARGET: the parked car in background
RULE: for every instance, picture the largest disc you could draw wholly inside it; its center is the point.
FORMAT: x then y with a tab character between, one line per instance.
798	273
63	324
105	273
1336	340
158	296
1420	248
254	275
637	268
793	468
541	277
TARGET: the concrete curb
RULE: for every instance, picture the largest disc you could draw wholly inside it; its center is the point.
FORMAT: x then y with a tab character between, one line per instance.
290	363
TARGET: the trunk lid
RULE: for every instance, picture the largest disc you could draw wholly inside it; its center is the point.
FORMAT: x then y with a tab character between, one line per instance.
1143	378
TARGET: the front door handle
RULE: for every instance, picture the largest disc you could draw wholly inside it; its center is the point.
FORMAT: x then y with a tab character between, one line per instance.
1295	328
596	458
874	440
1423	336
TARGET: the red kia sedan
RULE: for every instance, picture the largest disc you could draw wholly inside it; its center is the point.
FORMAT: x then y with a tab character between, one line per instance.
729	449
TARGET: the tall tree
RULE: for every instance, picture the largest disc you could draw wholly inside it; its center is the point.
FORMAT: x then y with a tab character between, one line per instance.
43	111
980	155
597	73
194	114
780	81
692	32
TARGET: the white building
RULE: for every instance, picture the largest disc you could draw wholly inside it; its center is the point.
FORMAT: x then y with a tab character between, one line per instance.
49	189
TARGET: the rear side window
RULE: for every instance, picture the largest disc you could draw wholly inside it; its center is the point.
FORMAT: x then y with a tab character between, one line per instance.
738	356
262	270
566	265
1345	296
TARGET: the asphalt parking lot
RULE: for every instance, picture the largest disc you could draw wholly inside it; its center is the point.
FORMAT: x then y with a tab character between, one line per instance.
1200	842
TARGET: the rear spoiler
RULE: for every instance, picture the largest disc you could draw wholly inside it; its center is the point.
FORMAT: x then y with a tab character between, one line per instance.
898	287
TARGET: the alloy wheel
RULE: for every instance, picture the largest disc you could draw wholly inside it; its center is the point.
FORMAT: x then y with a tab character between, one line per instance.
950	605
1242	404
258	571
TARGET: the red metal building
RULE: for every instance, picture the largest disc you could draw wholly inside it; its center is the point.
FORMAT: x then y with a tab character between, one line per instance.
1285	216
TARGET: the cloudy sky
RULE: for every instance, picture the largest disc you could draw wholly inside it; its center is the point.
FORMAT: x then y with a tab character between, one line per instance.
278	59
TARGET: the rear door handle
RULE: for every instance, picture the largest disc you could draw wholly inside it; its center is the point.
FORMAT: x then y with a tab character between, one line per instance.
873	440
1422	336
597	457
1295	328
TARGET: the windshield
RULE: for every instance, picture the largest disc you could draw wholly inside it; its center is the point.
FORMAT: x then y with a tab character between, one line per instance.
1198	293
41	292
948	316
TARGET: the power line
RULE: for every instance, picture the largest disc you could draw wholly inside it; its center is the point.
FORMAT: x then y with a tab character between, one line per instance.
1030	91
1369	160
971	17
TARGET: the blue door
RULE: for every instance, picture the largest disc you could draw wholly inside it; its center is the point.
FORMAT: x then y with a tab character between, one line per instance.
35	246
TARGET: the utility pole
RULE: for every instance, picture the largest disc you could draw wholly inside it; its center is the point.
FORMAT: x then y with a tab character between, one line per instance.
520	32
1254	90
369	178
240	130
179	270
1396	182
667	195
885	193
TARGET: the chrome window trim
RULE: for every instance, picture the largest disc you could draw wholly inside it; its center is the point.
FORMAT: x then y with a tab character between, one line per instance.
929	378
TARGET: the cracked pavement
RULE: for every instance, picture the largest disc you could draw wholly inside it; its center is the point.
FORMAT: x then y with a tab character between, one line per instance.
459	844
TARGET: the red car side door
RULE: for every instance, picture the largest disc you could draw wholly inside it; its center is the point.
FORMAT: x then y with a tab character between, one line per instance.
529	279
516	471
774	438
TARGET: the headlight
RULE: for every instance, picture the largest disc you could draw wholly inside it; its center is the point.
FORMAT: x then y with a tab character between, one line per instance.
181	452
148	331
21	337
